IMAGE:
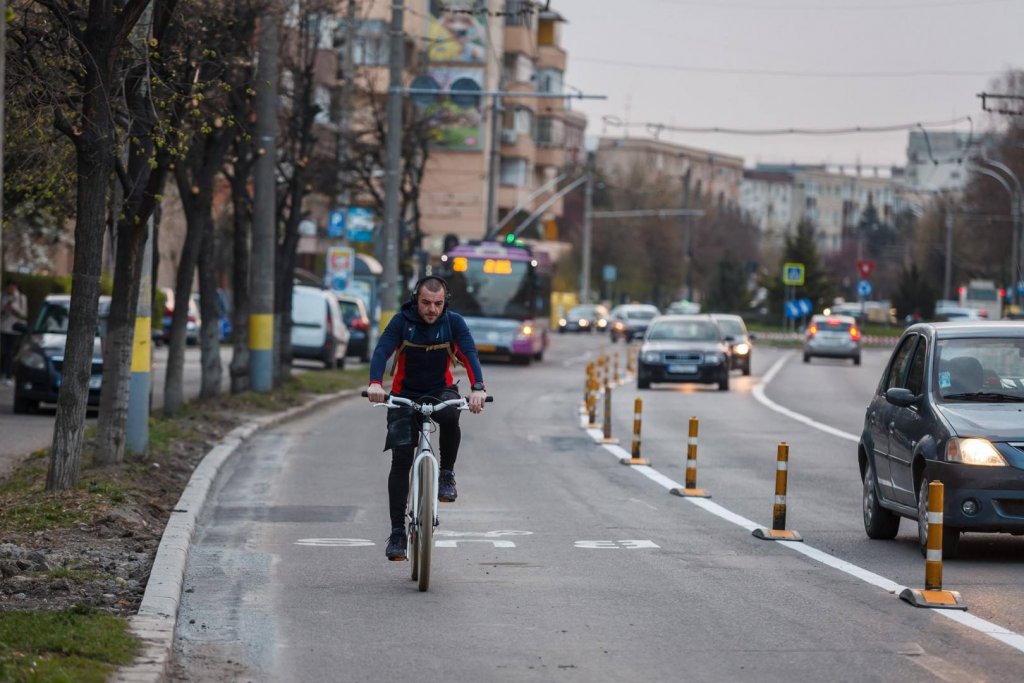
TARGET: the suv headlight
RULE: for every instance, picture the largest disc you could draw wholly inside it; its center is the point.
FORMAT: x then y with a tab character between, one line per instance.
714	358
33	360
973	451
650	356
742	349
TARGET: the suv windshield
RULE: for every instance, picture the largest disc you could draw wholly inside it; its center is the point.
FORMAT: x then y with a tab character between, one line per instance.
733	328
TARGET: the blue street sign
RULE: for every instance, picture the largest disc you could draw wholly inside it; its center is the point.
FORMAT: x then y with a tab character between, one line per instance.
360	224
793	274
864	288
792	310
336	223
1020	287
804	306
609	273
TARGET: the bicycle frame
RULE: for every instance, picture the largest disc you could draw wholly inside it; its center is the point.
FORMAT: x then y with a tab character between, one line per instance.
423	450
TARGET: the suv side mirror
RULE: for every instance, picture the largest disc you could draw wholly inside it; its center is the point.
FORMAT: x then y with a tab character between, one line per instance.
904	398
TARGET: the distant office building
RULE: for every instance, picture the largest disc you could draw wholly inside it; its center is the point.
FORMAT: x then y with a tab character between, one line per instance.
833	199
712	174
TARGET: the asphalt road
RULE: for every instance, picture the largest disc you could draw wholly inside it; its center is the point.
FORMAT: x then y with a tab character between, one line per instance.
23	434
607	577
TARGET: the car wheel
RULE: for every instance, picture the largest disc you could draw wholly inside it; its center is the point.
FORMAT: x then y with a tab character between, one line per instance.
856	359
339	363
950	535
642	382
746	368
723	383
879	523
807	358
561	330
539	356
328	357
24	406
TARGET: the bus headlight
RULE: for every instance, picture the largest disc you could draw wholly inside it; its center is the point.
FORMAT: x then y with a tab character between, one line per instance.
525	331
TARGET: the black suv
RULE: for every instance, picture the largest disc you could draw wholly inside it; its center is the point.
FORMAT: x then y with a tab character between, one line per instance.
684	348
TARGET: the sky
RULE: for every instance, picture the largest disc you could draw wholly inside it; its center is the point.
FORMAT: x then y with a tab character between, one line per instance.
787	64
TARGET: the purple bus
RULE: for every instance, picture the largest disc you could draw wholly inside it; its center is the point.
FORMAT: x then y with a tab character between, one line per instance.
504	293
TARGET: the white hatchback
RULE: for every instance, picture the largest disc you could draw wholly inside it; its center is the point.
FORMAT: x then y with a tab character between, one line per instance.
318	330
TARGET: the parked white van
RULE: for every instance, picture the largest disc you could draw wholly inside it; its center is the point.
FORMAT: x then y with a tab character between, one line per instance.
318	330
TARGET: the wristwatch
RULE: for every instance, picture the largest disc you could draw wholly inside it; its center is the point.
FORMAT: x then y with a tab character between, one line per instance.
478	386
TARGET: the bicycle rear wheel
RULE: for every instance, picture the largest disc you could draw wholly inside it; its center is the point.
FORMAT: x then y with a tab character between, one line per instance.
425	523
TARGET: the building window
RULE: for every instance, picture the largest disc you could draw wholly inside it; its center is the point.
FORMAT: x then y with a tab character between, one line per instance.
550	132
514	172
371	44
518	12
548	33
549	81
518	68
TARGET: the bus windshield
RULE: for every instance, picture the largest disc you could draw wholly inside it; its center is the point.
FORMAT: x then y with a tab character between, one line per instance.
491	288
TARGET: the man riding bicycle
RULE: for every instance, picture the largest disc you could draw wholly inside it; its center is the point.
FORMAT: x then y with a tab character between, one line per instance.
425	337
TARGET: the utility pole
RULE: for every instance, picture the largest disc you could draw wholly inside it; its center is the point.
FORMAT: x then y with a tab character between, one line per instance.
588	217
947	276
347	96
687	225
3	71
389	238
264	239
137	420
495	162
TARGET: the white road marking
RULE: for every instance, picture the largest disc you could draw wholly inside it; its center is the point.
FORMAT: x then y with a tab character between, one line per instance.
615	545
1000	633
454	542
483	534
335	542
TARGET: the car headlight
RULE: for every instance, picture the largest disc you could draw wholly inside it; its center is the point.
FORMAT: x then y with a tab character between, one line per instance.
650	356
974	451
619	326
561	322
741	349
714	358
33	360
602	323
584	323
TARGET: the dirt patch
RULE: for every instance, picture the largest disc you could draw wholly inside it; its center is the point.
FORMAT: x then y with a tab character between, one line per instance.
101	550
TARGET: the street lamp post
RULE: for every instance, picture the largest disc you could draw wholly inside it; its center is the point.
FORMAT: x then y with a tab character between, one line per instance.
1015	216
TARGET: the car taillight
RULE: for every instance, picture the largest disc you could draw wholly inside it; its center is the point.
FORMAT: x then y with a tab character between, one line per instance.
812	330
359	324
854	333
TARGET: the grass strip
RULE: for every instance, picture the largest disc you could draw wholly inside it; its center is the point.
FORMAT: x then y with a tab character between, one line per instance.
80	645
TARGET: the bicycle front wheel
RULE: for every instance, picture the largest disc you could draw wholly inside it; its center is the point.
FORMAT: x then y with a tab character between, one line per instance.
425	523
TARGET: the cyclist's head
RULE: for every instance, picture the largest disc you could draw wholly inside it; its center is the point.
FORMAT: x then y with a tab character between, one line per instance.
431	297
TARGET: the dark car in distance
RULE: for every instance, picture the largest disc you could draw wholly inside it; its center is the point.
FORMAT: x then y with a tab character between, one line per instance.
630	321
740	342
39	364
683	349
948	408
584	318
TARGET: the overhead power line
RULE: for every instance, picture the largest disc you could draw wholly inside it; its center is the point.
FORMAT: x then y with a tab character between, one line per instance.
655	128
817	6
786	73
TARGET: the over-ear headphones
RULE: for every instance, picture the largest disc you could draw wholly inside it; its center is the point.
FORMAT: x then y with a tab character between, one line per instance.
414	297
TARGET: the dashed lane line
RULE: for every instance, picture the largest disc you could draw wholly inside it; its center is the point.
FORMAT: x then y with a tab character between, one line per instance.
1000	633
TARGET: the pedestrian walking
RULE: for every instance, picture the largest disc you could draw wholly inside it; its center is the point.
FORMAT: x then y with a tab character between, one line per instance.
14	310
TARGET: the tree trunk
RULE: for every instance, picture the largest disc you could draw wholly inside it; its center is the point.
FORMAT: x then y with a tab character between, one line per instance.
196	208
118	346
209	312
240	282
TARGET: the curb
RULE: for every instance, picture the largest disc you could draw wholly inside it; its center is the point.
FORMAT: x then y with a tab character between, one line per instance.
155	621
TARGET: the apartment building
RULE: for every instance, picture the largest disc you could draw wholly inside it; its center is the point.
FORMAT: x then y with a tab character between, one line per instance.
713	174
833	199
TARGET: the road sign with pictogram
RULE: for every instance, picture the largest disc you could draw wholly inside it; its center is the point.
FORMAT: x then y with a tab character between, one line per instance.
865	268
793	274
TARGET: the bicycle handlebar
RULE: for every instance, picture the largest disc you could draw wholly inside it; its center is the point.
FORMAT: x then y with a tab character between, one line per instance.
461	403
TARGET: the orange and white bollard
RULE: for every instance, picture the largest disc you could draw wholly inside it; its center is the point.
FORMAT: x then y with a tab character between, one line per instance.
933	595
608	438
638	406
592	404
778	531
691	490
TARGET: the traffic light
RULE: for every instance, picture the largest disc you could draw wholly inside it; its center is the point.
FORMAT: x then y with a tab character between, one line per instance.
510	238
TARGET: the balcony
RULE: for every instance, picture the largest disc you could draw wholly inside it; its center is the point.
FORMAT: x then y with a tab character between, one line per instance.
550	57
520	39
549	156
515	144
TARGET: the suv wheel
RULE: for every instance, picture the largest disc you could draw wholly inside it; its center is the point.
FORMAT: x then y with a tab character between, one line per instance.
950	535
879	523
723	382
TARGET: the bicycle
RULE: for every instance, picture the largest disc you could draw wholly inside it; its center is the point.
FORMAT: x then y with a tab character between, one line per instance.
421	508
